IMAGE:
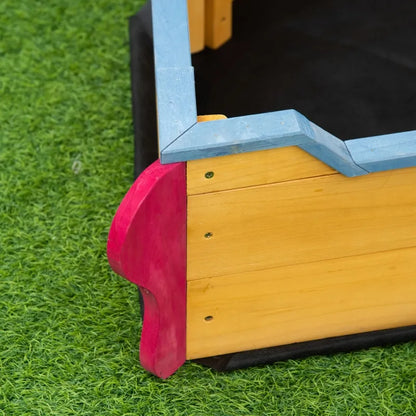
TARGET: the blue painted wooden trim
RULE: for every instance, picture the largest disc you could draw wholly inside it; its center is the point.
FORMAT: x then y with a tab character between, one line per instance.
175	84
235	135
176	103
181	138
171	34
258	132
329	149
390	151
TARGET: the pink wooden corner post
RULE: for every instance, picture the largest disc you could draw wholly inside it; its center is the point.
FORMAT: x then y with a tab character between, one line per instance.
147	245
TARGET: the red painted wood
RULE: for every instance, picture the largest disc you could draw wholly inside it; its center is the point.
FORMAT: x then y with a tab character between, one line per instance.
147	245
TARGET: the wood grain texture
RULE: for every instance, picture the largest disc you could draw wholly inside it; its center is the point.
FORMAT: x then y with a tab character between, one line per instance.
254	168
171	34
389	151
182	139
175	102
174	75
211	117
151	222
301	302
300	221
196	18
236	135
218	23
261	132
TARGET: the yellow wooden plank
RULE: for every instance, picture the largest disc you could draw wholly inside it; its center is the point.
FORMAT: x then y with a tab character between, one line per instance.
300	221
210	117
218	22
196	17
252	168
301	302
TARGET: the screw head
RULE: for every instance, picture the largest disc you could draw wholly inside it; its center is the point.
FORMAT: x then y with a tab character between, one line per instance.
209	175
208	235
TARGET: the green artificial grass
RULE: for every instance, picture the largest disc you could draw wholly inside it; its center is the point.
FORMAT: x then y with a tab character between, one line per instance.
69	326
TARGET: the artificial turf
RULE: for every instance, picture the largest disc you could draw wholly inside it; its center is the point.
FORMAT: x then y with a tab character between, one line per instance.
69	326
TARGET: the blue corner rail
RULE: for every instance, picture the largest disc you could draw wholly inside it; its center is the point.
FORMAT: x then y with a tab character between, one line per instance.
181	138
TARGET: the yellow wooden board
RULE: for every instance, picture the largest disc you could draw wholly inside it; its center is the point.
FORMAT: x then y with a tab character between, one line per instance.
218	22
252	168
303	302
300	221
196	17
210	117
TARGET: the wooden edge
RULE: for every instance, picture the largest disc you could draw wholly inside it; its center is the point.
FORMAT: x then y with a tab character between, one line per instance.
261	132
328	148
171	33
218	22
210	117
196	18
180	138
147	245
388	151
175	102
346	343
174	76
236	135
242	169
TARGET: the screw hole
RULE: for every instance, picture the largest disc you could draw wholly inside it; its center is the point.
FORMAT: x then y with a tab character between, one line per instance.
209	175
208	318
208	235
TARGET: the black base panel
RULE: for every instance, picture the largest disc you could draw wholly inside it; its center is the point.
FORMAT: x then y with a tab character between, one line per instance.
347	65
143	92
143	89
305	349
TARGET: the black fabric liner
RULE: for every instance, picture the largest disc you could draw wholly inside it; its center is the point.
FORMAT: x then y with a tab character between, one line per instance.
143	94
333	345
143	89
348	65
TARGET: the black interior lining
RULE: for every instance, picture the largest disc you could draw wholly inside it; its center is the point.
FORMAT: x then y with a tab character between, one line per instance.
346	343
347	65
